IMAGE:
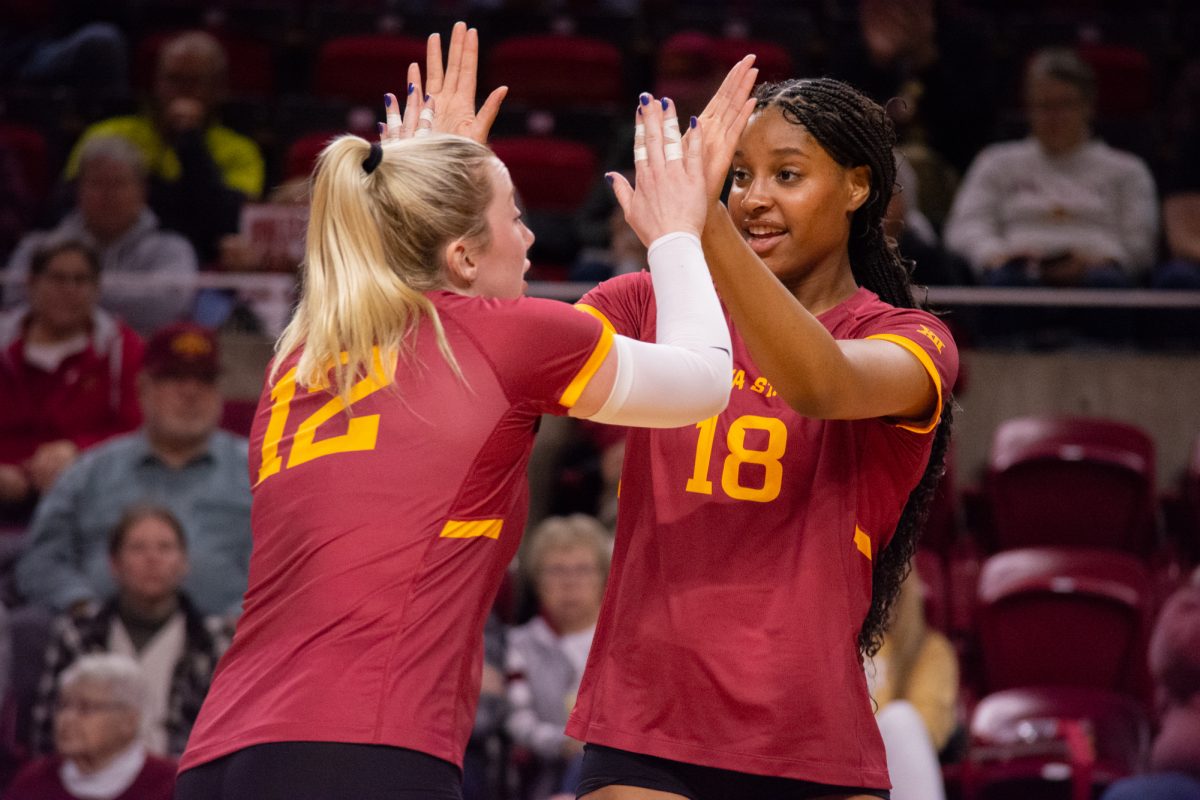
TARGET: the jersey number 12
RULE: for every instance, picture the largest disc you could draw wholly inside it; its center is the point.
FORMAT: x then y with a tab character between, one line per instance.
361	432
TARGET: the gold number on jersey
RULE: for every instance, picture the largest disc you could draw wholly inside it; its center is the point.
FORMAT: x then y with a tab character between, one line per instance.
739	454
361	432
699	482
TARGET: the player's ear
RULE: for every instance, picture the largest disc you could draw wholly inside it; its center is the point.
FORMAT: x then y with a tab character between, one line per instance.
858	185
461	269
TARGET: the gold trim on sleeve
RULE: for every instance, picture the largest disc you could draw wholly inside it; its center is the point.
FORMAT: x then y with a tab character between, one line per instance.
927	363
570	395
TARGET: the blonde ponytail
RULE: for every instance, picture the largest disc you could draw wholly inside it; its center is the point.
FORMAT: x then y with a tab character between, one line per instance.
374	247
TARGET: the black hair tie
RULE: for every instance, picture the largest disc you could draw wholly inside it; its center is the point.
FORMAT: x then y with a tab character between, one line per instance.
372	160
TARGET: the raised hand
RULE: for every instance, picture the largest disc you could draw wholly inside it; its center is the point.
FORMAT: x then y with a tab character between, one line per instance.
453	88
670	184
723	120
450	89
402	125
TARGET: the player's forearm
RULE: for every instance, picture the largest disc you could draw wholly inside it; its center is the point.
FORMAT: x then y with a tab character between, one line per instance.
684	377
793	349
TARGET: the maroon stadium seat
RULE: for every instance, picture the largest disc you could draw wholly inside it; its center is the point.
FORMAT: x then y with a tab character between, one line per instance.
360	69
931	568
773	61
1060	741
1064	617
558	71
690	65
1125	86
1072	481
31	157
551	174
302	153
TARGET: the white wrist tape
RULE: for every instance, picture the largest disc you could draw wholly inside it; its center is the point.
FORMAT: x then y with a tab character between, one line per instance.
685	377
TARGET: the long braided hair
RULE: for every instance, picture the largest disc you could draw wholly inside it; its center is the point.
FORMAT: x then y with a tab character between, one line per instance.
856	131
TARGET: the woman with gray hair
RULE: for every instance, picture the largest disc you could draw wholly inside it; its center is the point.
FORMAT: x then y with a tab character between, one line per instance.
567	563
1059	208
96	731
147	274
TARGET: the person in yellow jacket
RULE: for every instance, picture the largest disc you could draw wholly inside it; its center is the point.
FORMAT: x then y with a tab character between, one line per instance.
201	171
914	681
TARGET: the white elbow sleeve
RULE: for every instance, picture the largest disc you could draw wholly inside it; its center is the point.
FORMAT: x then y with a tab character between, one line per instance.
685	376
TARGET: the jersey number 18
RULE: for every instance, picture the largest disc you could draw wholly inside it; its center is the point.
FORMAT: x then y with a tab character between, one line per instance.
739	454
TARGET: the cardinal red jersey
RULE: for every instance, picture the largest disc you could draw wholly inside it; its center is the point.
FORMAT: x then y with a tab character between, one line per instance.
380	537
742	570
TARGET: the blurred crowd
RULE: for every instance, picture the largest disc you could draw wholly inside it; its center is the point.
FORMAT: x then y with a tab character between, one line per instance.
1048	144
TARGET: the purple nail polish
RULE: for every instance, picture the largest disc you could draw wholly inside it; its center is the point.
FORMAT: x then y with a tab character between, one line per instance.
410	88
645	98
609	178
665	102
387	100
382	129
426	98
692	122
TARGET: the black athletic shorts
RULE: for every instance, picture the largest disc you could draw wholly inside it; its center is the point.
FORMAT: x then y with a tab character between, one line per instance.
321	771
608	766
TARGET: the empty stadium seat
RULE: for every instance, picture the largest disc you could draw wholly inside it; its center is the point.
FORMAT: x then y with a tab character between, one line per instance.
690	55
302	154
1072	481
551	174
558	71
1042	742
360	69
31	157
1064	617
931	568
1125	86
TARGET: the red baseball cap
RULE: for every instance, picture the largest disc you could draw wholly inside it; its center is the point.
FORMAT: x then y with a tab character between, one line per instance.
183	350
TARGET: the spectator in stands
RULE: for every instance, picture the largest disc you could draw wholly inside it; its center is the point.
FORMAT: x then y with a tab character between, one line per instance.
201	172
151	620
147	274
67	372
96	722
1058	208
914	234
938	63
179	459
568	561
1181	219
913	679
1175	668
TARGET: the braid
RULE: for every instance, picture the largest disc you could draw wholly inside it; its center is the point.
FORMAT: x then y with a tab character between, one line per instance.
856	131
